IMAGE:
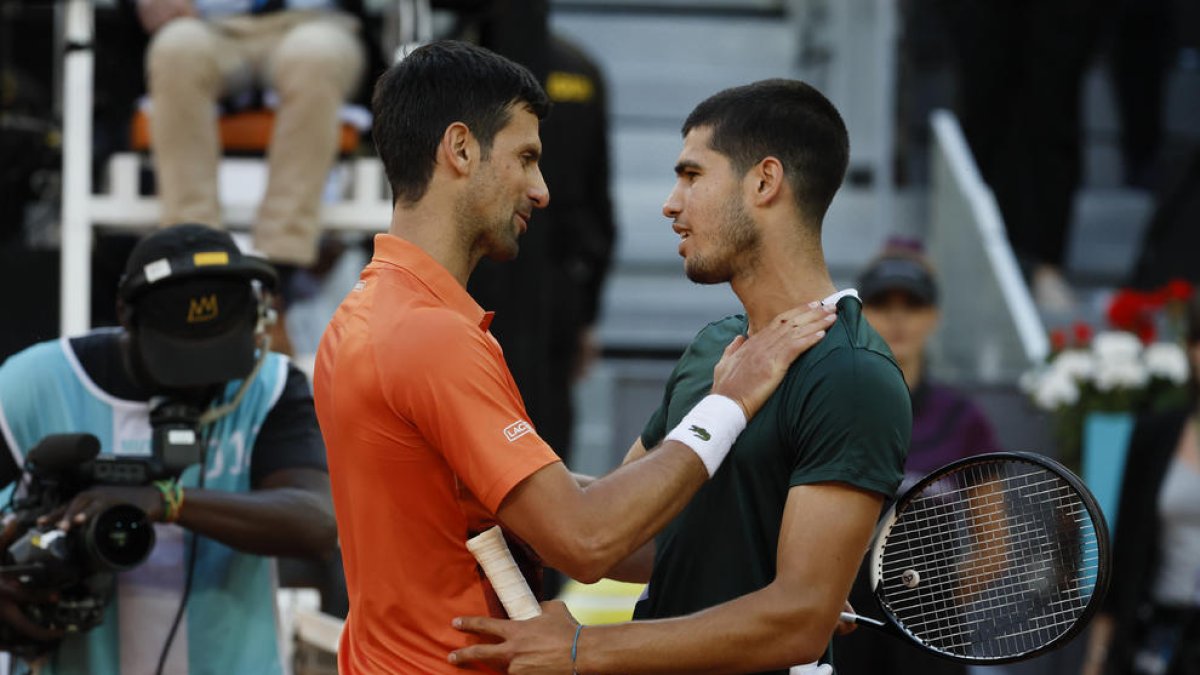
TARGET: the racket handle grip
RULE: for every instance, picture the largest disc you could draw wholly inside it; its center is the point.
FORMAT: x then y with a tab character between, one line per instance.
497	562
858	620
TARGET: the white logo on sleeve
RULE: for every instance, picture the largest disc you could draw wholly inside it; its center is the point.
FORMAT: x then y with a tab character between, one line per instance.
516	430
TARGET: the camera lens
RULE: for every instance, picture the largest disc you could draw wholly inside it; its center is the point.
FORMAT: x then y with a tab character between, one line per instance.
119	538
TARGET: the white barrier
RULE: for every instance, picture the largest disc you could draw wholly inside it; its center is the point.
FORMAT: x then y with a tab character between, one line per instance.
991	332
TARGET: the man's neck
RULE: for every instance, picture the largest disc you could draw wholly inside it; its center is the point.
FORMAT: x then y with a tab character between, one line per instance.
784	278
432	230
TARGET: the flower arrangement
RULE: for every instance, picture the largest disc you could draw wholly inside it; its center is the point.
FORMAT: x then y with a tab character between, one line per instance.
1150	313
1123	370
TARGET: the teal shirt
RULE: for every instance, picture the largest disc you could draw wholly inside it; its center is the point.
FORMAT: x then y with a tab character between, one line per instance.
230	623
841	414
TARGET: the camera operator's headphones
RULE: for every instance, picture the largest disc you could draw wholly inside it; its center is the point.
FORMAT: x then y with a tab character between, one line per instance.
197	308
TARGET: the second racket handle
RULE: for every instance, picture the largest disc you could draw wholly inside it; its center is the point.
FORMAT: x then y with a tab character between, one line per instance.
497	562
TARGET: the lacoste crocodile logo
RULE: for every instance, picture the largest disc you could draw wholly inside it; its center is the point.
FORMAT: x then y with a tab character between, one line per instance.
701	433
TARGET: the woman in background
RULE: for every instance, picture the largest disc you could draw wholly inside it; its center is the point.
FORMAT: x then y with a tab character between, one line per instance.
900	299
1149	624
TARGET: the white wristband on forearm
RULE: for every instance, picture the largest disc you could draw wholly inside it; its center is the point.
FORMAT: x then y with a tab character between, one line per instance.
710	429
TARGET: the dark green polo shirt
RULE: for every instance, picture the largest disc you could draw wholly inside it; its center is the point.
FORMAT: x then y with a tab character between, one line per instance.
841	414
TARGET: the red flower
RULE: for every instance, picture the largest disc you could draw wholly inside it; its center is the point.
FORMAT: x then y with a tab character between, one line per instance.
1083	334
1058	340
1178	289
1131	309
1147	332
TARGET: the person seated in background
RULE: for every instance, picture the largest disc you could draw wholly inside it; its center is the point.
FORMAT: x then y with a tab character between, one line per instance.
189	353
308	52
900	300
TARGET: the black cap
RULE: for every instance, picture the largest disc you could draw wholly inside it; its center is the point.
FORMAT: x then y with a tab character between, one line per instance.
898	273
183	251
193	309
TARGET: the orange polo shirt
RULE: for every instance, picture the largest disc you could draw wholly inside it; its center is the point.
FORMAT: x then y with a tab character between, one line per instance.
426	434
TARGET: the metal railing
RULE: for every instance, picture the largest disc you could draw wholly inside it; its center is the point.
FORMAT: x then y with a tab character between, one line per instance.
993	333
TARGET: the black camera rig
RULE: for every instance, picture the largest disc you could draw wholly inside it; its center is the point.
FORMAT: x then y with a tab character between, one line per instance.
79	566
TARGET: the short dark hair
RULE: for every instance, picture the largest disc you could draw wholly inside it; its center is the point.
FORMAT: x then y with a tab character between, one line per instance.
435	86
785	119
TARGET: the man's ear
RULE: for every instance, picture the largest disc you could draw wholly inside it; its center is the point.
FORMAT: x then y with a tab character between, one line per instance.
458	150
766	181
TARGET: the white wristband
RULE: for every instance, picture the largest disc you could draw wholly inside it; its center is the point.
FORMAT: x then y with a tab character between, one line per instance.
710	429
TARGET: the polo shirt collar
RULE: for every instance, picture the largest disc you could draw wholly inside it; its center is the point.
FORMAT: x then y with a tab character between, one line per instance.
404	254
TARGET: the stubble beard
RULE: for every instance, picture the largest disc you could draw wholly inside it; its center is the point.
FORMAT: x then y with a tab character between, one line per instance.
490	231
738	242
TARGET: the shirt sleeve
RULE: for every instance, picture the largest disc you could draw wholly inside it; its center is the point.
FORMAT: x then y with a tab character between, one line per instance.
290	437
462	399
854	423
656	427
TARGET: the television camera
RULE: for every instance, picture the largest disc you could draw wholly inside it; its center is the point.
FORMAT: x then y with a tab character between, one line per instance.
78	567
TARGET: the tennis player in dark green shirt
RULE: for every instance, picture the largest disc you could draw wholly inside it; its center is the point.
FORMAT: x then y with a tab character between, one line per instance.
752	575
838	416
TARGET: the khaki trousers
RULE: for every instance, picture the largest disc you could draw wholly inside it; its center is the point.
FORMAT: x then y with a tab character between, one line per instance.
313	61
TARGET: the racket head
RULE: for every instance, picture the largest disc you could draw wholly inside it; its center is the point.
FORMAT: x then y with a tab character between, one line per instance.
992	559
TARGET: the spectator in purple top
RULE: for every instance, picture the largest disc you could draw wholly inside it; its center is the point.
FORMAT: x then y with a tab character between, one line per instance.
900	294
900	299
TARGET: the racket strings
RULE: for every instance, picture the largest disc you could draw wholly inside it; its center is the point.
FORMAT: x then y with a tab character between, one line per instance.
1006	556
898	592
980	564
991	548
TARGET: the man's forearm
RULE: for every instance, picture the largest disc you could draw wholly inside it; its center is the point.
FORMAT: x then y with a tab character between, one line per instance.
284	521
764	630
588	531
822	539
627	508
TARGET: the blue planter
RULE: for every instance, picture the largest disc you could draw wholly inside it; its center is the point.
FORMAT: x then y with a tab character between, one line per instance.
1105	445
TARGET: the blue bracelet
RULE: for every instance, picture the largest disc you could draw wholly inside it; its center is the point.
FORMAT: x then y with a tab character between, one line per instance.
575	648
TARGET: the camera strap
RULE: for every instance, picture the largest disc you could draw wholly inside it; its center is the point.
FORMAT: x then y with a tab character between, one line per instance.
217	412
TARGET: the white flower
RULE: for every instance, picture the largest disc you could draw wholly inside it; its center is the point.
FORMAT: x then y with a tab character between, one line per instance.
1055	389
1121	374
1168	361
1078	364
1116	347
1030	379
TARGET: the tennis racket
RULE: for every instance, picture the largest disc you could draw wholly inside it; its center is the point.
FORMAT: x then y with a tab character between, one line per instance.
497	562
991	559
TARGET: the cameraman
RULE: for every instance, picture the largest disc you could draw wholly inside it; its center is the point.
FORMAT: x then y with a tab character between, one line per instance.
193	310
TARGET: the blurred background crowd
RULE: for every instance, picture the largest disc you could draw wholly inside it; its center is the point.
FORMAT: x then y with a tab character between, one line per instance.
1024	179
